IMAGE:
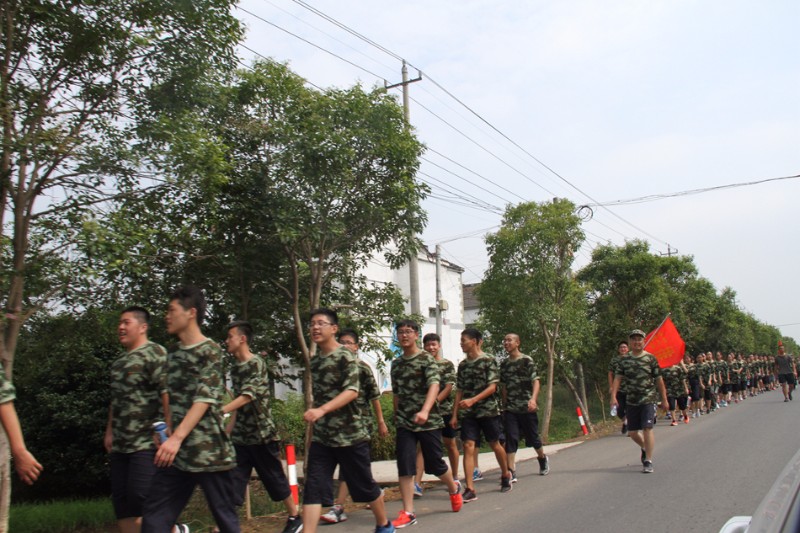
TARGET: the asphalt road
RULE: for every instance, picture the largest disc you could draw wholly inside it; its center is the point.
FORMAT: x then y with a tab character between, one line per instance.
716	467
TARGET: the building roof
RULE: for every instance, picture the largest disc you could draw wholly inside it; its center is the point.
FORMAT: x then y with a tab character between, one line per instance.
470	299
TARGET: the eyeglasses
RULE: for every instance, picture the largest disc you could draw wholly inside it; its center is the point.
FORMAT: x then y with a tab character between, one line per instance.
318	324
347	343
405	332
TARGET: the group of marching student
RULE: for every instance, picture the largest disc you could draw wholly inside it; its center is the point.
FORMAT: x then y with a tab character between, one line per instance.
702	384
688	389
217	443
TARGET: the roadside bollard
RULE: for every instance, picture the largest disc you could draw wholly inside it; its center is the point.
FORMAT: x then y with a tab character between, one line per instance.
580	419
291	463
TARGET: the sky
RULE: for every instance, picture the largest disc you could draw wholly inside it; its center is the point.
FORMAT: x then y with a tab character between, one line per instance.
593	101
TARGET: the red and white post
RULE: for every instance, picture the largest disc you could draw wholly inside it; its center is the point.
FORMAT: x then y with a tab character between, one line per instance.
580	419
291	464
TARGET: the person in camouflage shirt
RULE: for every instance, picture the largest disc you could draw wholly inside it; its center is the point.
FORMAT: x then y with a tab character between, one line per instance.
723	378
786	371
706	381
643	377
693	375
677	391
520	389
415	389
138	400
368	395
254	435
476	405
339	437
198	451
432	344
622	351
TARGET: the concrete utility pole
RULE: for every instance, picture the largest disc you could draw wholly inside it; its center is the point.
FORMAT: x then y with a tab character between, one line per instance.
413	263
439	291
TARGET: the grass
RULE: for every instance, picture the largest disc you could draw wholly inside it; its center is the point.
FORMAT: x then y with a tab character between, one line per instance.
60	516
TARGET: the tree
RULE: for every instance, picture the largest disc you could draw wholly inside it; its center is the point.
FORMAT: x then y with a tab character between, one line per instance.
529	287
74	77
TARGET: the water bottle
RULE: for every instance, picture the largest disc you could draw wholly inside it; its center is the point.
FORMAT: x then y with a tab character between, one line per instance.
161	429
614	410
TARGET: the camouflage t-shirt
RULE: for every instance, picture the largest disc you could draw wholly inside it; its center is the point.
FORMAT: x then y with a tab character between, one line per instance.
674	380
722	372
331	375
254	424
473	377
613	367
411	378
517	376
138	378
447	376
692	371
705	372
368	391
195	376
7	392
641	373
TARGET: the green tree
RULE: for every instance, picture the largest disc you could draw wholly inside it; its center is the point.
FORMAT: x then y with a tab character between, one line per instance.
74	79
529	288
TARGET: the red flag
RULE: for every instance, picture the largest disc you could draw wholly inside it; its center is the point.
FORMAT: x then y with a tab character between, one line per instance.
666	344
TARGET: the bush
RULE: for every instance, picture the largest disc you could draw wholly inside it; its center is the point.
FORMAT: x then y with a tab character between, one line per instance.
61	516
288	417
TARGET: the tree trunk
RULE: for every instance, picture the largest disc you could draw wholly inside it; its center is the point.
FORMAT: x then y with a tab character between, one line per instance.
580	403
5	481
581	383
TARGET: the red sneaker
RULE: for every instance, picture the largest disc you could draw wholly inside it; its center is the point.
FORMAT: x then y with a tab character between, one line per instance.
404	519
456	502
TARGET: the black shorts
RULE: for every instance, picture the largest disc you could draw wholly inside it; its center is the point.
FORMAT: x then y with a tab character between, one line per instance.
683	402
430	443
471	428
694	386
707	394
525	423
672	401
641	416
266	460
131	476
622	402
447	431
353	461
787	378
735	386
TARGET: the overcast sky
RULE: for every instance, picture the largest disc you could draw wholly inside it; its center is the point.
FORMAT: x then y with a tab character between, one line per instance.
621	99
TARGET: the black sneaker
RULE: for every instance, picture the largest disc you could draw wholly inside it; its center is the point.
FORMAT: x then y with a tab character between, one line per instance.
513	476
469	495
644	456
544	465
294	524
505	484
624	428
647	467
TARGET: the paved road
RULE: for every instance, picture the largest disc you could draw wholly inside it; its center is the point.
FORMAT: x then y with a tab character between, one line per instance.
716	467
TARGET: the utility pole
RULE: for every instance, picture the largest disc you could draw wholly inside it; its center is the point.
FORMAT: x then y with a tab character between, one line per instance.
439	290
670	252
413	263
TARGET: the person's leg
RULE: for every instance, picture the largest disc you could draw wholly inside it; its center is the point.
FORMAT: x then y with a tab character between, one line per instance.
169	493
318	487
420	468
491	430
430	444
469	463
269	468
512	439
451	446
356	462
218	490
343	493
649	441
407	468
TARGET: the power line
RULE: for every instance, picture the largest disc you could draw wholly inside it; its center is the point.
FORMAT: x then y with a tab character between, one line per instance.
471	171
689	192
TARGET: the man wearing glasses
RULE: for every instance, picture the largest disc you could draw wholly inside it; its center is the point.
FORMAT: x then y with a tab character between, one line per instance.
339	436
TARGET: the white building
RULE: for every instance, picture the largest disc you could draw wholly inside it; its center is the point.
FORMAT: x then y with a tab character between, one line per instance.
378	271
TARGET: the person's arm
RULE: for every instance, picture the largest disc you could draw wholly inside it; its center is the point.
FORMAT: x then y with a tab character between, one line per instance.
533	402
28	468
167	412
454	418
236	403
383	429
430	398
663	390
167	451
341	399
108	438
615	388
485	393
444	393
610	379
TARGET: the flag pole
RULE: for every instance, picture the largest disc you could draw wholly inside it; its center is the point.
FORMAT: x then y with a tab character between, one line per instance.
656	331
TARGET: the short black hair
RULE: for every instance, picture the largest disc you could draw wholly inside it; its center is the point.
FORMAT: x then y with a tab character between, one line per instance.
473	334
190	297
141	314
407	323
330	314
430	337
348	332
621	343
244	327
